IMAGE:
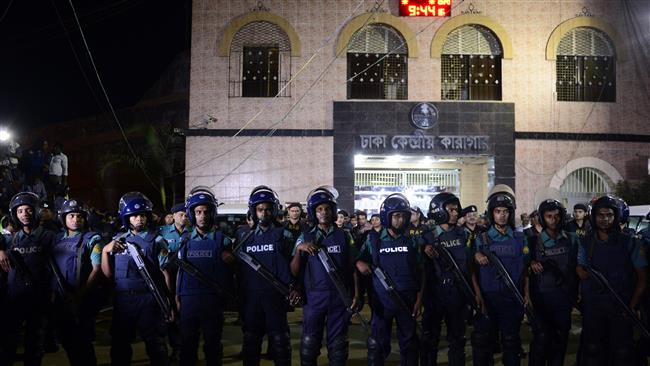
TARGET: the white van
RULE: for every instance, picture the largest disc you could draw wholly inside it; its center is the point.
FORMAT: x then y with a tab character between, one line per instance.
638	215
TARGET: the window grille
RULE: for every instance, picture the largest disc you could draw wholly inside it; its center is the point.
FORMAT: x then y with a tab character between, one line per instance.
260	61
586	67
471	65
377	64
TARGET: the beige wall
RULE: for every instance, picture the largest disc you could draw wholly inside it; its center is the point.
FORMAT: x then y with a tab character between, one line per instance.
528	81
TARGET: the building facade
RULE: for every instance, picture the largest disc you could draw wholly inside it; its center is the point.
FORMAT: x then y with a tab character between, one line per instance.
549	97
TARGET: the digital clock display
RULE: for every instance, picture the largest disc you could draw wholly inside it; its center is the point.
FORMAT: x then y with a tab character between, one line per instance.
425	8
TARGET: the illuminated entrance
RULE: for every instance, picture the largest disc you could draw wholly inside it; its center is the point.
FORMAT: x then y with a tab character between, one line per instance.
420	178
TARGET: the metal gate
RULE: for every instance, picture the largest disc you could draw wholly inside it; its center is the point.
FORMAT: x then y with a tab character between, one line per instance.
582	185
372	186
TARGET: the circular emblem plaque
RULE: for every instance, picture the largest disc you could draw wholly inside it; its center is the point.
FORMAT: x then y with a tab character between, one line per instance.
424	115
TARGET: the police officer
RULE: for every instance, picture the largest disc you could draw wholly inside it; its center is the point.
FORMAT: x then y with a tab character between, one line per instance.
619	257
47	216
624	221
396	253
295	224
264	309
324	304
76	263
202	307
553	285
28	281
471	226
416	227
504	313
172	234
445	301
134	305
580	223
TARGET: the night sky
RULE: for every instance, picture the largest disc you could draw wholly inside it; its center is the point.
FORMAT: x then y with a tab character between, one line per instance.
41	82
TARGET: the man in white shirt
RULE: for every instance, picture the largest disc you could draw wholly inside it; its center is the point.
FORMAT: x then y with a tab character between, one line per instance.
58	166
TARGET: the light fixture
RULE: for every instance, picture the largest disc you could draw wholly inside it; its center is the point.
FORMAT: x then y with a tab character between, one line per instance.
4	135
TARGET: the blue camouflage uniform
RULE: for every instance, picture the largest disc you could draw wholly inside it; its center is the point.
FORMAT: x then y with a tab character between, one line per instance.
399	258
134	305
504	312
444	300
75	256
202	307
324	304
264	308
27	296
553	293
607	333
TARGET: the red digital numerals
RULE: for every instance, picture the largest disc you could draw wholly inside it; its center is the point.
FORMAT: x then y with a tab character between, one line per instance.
425	8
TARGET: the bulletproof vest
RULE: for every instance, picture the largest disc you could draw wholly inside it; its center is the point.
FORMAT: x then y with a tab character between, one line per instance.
612	259
127	276
205	255
397	257
316	277
267	249
72	259
559	267
510	252
455	241
34	250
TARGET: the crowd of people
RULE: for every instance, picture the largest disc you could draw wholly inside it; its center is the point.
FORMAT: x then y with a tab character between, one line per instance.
171	284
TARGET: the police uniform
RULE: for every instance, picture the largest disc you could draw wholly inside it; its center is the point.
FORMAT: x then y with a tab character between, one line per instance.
27	297
134	306
28	292
75	256
323	303
173	237
607	333
201	306
504	312
444	299
264	309
553	293
399	258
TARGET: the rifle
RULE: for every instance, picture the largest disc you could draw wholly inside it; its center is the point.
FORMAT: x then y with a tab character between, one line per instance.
503	274
162	301
335	275
388	285
267	275
191	270
604	285
459	277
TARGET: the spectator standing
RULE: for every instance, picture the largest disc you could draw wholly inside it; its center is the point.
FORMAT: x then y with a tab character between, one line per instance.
58	167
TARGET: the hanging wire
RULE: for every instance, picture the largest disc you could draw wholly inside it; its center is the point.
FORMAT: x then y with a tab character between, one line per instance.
108	100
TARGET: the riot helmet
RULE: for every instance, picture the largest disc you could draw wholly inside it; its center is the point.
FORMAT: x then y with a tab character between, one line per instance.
550	205
199	196
134	203
22	199
394	203
438	207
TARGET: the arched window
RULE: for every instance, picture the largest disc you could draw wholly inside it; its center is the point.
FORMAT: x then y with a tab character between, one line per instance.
260	61
377	64
585	67
584	184
471	64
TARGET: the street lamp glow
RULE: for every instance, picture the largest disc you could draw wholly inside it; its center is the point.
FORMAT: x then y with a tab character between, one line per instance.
4	135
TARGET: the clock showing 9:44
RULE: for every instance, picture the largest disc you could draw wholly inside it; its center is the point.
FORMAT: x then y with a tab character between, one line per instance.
425	8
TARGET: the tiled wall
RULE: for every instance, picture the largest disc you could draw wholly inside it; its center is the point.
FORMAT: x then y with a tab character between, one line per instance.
528	81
